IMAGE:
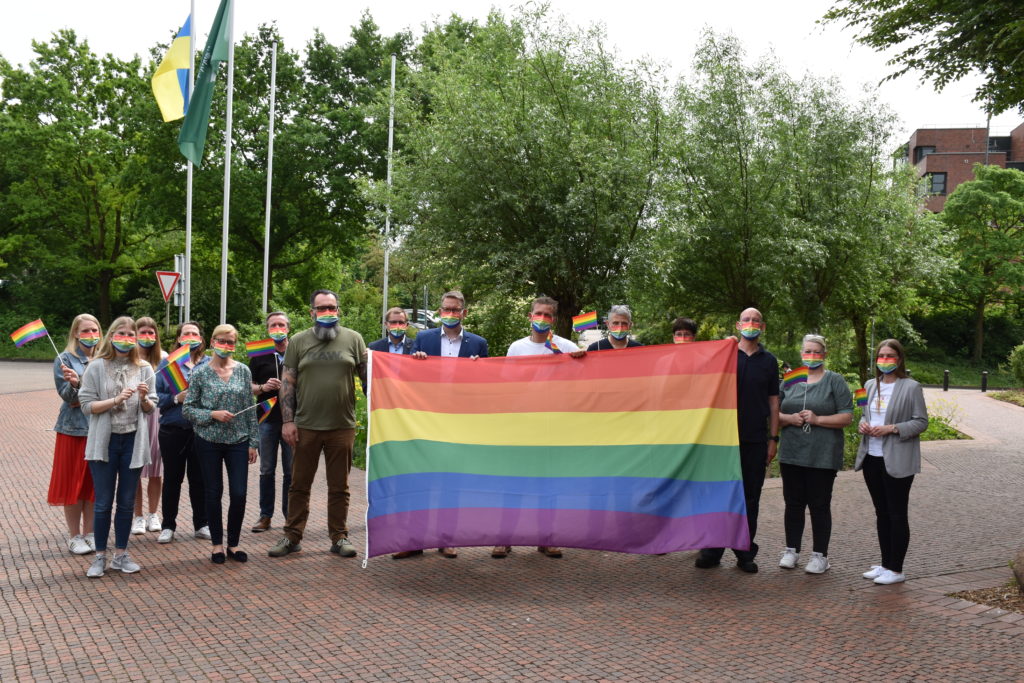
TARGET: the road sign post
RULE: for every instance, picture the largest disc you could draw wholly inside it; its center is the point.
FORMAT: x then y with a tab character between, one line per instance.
167	279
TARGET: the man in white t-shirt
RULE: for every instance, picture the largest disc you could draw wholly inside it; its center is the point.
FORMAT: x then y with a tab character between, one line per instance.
543	313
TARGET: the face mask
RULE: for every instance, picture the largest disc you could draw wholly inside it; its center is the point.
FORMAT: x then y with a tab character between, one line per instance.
620	333
397	331
193	340
750	330
682	340
812	360
278	334
540	324
326	319
89	341
122	342
886	365
147	340
450	321
223	350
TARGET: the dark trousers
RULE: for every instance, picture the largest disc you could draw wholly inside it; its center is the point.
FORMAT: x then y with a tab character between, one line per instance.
215	458
803	488
891	497
753	463
270	440
177	448
115	479
336	445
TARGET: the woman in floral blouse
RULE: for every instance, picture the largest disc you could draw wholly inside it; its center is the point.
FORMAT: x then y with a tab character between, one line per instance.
219	405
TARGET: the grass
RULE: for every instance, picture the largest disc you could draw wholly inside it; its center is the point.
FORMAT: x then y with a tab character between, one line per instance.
1014	396
962	373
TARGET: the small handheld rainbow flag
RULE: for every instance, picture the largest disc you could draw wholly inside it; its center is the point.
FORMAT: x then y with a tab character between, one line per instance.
26	333
263	347
861	397
264	407
550	343
178	355
175	376
584	321
794	377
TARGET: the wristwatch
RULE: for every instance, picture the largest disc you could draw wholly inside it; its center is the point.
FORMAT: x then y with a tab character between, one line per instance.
774	438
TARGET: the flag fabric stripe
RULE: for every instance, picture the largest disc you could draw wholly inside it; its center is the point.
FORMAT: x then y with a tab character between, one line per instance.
178	355
692	462
192	138
263	347
679	392
550	428
170	82
860	397
595	529
175	377
629	480
427	491
26	333
794	376
265	407
584	321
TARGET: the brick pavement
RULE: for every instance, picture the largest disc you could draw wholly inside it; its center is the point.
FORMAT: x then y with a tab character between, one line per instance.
589	616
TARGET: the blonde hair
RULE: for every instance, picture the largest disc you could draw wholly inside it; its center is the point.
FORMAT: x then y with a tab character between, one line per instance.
815	339
153	353
72	345
106	350
223	328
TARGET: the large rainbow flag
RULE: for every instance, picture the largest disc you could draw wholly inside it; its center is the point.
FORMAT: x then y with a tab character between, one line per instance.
629	452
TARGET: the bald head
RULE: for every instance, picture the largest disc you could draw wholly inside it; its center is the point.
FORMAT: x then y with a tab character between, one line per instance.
751	315
750	324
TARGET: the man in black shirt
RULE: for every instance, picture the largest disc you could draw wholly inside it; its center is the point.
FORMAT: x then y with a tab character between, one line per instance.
266	381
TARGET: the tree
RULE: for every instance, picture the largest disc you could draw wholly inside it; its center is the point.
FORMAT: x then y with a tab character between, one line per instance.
946	40
532	168
986	217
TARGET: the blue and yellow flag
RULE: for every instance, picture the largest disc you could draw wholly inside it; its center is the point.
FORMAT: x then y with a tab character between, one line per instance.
192	138
170	82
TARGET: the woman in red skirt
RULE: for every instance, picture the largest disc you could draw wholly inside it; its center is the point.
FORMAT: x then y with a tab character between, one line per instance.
70	482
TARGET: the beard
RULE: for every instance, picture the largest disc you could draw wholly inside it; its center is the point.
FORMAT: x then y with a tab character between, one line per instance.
325	333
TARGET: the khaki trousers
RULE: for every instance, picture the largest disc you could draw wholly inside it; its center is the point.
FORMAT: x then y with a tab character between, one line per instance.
336	445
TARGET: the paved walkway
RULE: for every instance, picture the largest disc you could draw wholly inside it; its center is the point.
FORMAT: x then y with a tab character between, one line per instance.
589	616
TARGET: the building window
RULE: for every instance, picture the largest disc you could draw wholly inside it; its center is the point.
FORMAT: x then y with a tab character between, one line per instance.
938	183
922	152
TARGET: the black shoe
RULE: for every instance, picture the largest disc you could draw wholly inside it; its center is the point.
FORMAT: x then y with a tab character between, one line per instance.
748	566
705	562
217	558
238	555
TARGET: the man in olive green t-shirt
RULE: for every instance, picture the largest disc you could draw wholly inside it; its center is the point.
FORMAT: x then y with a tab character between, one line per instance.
318	410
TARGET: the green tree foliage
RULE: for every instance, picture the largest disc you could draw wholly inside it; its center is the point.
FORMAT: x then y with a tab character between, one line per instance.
986	218
532	168
946	40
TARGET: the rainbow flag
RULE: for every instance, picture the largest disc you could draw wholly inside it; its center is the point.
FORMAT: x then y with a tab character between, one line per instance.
637	455
263	409
584	321
26	333
794	377
860	397
263	347
178	355
174	375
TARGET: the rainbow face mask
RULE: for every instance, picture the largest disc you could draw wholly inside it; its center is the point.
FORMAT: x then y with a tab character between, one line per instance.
450	321
397	330
89	341
278	333
813	360
123	342
193	340
886	365
146	340
327	319
223	350
540	323
750	330
682	339
619	332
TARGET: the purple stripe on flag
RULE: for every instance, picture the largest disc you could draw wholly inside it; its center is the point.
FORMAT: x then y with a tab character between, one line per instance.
625	532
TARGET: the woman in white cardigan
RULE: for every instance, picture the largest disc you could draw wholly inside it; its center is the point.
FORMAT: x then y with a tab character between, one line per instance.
115	395
890	455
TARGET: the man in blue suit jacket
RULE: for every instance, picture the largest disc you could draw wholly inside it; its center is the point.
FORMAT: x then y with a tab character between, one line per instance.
449	340
396	340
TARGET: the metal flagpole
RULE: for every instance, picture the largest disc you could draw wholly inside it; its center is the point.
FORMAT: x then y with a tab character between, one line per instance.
188	178
387	215
270	174
227	169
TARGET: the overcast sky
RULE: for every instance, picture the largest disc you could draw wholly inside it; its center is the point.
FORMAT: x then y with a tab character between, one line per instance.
662	30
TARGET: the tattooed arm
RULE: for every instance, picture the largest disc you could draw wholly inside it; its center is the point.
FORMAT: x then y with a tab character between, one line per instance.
287	397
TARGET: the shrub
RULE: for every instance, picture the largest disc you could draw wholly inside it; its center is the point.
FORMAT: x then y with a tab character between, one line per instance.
1017	364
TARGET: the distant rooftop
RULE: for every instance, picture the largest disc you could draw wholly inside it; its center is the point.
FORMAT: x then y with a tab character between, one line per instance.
995	131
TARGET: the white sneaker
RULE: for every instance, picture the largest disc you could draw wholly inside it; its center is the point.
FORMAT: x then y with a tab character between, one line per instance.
873	573
166	536
789	558
818	564
78	545
204	532
152	522
99	563
138	526
90	538
125	563
888	576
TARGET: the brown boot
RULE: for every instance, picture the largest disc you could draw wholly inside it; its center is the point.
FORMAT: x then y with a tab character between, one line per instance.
262	524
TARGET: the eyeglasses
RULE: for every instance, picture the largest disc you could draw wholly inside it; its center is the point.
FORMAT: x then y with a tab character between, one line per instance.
447	309
396	322
325	309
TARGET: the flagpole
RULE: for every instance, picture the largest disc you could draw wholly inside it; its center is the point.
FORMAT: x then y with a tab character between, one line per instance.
270	174
188	174
227	168
387	215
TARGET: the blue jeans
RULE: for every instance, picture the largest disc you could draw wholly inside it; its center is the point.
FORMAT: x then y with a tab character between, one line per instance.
235	458
115	474
270	438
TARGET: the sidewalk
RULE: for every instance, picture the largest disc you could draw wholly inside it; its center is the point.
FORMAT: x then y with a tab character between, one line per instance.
589	616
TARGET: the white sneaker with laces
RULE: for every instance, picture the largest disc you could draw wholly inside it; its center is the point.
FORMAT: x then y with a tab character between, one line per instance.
152	522
125	563
78	545
888	577
818	564
90	538
789	558
203	532
99	564
873	573
166	536
138	526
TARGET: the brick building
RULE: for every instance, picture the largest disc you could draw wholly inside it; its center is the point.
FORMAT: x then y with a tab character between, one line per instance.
947	156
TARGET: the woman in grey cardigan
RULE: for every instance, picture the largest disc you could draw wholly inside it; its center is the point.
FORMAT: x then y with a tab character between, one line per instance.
115	395
890	455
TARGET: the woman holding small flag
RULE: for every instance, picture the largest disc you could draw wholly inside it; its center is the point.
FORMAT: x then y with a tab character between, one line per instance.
890	455
815	406
70	481
220	406
115	394
150	351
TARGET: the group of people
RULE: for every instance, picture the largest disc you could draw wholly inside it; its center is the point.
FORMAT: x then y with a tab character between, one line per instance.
112	432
